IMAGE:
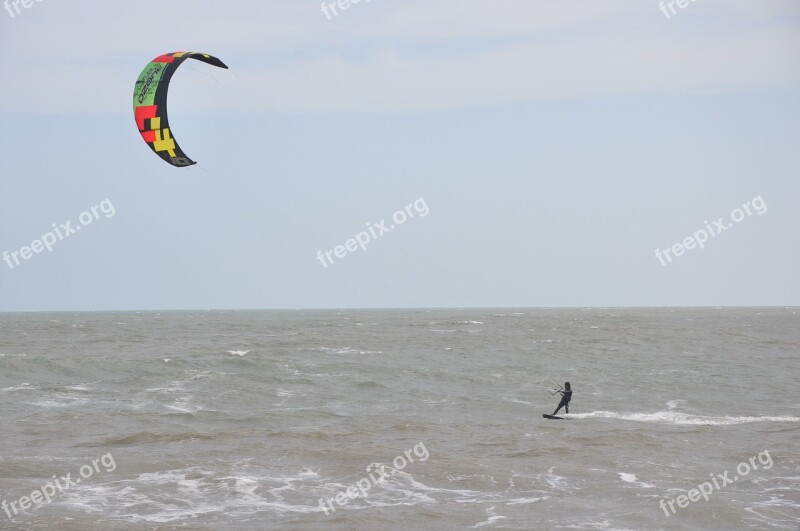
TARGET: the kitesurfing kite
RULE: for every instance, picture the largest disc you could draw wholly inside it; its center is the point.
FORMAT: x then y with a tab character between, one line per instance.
150	104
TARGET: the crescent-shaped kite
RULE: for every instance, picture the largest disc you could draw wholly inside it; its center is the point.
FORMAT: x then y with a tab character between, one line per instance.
150	104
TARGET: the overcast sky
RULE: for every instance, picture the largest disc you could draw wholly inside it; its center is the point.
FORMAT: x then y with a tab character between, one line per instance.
551	147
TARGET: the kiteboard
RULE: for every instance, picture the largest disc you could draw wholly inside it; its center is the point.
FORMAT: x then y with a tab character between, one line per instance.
553	417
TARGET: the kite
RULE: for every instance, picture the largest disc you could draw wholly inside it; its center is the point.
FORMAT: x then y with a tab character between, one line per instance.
150	104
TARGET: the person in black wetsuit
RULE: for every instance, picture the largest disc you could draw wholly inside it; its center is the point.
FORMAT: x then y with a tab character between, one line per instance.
566	396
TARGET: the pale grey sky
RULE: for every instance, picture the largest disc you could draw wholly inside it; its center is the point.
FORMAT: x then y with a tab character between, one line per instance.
556	145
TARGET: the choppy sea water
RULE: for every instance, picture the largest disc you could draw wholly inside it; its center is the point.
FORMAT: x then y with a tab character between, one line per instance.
247	420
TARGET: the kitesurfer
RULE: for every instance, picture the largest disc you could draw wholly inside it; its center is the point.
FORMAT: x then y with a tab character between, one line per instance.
566	396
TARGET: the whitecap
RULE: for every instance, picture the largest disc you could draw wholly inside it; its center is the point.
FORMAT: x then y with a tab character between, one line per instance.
672	404
555	481
184	404
523	501
20	387
490	521
61	401
492	518
674	417
631	478
347	350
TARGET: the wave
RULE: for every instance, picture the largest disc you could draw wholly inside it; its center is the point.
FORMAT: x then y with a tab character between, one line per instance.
61	400
675	417
152	437
346	350
449	323
631	478
20	387
673	404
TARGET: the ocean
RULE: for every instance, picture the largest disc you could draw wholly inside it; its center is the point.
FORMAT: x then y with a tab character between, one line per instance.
401	419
